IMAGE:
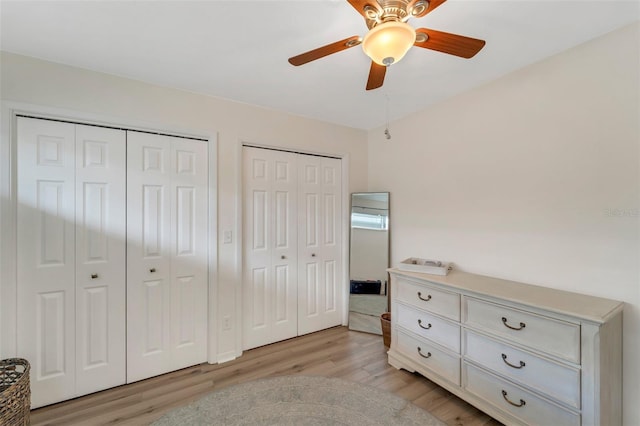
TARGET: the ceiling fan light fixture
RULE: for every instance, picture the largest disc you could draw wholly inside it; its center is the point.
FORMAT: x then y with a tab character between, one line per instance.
387	43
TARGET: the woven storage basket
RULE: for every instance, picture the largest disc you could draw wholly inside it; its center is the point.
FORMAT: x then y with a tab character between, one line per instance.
15	394
385	322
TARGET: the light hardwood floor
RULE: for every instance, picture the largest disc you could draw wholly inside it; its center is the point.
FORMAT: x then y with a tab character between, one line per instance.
336	352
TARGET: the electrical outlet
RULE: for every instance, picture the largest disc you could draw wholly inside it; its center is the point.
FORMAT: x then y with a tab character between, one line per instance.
226	323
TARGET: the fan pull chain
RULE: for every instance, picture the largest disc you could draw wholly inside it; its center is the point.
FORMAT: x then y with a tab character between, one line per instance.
387	134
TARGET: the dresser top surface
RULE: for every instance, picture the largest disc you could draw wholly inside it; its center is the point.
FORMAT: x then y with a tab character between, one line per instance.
582	306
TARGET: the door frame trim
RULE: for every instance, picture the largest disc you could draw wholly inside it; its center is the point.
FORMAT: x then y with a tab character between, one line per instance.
8	207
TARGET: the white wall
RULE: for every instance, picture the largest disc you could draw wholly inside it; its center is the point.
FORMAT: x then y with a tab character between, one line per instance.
533	177
31	81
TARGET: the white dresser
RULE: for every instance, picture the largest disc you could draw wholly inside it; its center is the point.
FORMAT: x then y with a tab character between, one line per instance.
523	354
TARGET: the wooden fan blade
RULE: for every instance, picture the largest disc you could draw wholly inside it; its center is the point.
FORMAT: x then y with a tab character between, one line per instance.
432	4
376	76
453	44
323	51
359	6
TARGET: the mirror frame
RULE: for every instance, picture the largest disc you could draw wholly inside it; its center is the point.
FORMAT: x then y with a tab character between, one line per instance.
364	308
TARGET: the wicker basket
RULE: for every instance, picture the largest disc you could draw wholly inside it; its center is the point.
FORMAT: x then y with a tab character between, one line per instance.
15	394
385	321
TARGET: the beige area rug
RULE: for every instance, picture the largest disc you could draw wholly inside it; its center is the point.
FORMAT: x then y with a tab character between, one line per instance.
299	400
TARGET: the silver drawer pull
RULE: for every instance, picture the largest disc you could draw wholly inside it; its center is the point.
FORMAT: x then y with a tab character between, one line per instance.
522	325
504	395
428	355
504	358
422	298
422	326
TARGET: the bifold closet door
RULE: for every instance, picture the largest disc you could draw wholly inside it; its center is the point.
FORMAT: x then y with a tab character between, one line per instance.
292	245
167	207
70	229
46	257
270	246
100	258
320	283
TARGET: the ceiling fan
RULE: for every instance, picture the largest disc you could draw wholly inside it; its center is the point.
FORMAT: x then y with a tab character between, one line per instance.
390	37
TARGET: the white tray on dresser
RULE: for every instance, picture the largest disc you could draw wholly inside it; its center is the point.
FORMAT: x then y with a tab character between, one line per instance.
524	354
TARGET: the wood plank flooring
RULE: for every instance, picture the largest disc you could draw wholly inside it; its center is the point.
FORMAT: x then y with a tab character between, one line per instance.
336	352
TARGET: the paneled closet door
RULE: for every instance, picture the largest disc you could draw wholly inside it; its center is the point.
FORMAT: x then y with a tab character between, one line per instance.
46	257
71	252
270	246
100	258
189	251
167	198
320	287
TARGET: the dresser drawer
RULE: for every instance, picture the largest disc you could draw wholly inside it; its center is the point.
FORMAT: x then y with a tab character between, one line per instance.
545	334
429	326
524	405
560	382
429	298
429	356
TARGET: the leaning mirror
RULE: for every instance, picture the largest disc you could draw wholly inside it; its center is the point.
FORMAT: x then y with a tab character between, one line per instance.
369	260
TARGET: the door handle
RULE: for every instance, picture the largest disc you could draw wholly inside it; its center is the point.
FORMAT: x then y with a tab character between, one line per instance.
283	257
152	270
313	255
94	276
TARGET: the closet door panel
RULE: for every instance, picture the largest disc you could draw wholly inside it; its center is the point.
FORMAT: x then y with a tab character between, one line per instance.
189	230
292	262
148	255
284	253
258	261
270	246
256	270
310	264
320	295
46	256
100	258
167	224
332	239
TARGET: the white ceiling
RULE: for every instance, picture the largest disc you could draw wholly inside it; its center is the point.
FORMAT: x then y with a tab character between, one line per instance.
239	49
